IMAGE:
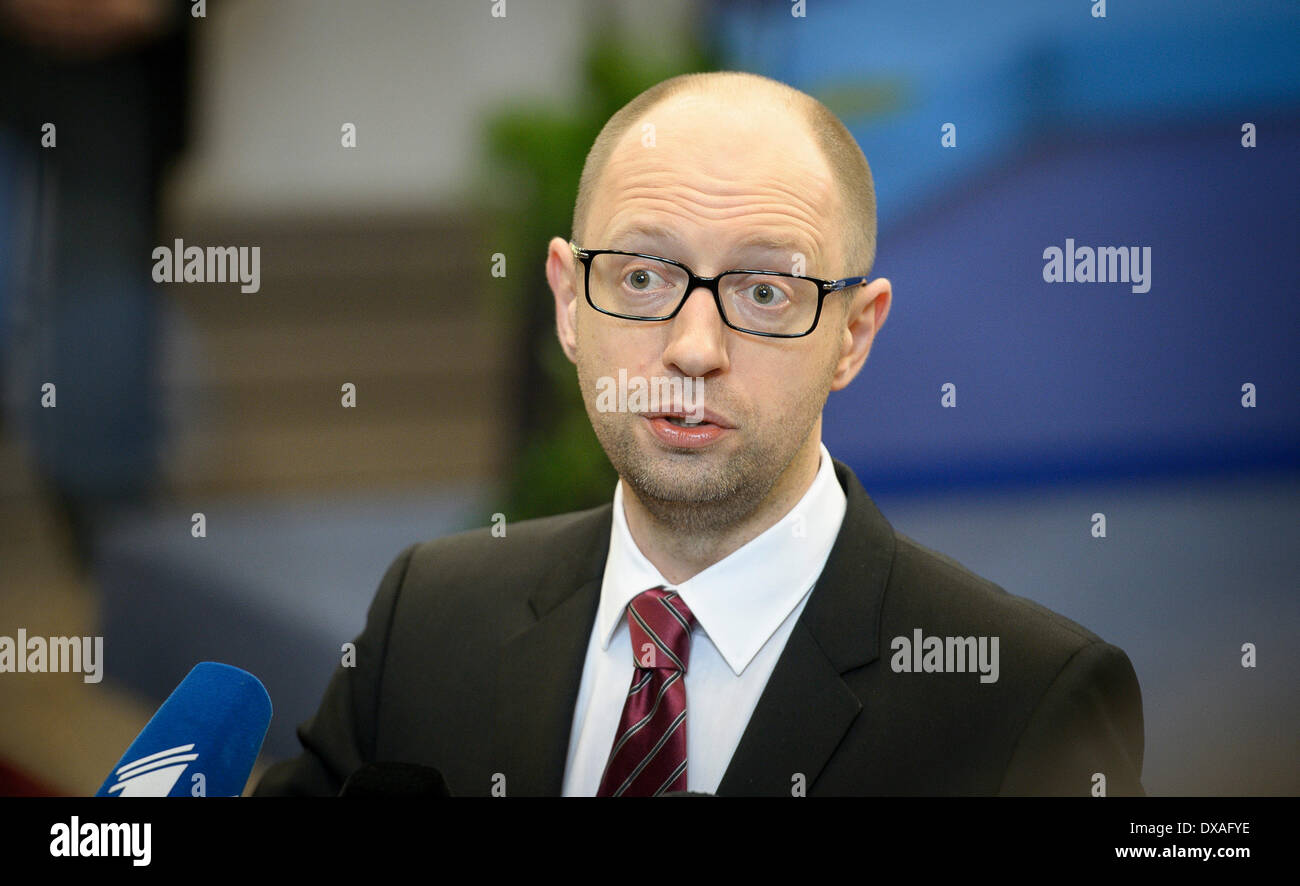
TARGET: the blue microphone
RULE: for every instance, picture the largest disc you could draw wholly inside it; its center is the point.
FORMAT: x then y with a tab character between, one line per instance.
202	742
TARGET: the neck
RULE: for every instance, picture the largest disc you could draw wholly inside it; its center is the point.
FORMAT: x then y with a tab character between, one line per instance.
678	556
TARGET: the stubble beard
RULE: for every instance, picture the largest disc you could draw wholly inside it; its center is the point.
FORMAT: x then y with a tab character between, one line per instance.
697	492
690	491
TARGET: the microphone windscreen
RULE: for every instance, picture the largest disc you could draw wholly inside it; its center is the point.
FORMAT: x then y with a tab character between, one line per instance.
202	742
395	780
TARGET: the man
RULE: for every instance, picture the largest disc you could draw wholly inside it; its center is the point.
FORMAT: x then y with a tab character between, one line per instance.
741	619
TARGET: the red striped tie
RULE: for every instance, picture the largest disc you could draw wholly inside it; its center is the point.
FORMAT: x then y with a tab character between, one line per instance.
649	753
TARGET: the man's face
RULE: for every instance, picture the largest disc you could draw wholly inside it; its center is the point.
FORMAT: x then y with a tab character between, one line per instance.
715	180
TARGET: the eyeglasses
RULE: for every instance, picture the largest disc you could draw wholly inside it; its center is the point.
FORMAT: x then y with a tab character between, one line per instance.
635	286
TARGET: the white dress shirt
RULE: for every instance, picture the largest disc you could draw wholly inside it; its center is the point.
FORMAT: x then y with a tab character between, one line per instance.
745	607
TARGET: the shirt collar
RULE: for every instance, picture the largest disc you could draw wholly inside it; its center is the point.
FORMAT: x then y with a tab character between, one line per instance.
743	599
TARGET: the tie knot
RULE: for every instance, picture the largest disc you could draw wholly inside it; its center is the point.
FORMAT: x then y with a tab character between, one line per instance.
660	624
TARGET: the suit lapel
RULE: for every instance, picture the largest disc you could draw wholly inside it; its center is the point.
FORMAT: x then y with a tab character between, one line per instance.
806	707
541	666
801	716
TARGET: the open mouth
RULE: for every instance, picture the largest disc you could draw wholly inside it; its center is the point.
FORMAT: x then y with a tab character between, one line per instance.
677	431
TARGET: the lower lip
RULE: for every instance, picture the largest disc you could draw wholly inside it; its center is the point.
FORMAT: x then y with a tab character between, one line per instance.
681	437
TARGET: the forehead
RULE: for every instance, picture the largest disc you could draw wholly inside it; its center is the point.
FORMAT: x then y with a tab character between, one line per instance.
718	177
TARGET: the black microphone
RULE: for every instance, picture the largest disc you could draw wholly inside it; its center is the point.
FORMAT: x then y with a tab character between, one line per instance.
395	780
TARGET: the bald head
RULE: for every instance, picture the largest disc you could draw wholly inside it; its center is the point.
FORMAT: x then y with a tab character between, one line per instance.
773	100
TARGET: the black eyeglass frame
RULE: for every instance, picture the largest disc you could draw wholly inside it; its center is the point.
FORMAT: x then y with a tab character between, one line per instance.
694	281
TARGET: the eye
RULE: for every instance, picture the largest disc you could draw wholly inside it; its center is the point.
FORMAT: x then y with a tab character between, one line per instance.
643	280
764	294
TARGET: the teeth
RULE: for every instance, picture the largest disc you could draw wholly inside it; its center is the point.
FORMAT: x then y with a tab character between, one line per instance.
682	422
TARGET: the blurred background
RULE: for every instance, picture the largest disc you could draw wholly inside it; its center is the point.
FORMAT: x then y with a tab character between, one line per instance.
401	166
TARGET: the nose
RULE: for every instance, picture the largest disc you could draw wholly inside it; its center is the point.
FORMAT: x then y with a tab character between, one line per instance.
697	337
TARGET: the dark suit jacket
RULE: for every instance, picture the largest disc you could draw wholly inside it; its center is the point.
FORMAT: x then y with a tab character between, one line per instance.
474	647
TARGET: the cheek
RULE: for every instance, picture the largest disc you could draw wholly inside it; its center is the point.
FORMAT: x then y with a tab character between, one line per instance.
782	384
604	349
779	373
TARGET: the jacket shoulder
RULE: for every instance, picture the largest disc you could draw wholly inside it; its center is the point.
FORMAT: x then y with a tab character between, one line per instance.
925	582
507	556
1062	704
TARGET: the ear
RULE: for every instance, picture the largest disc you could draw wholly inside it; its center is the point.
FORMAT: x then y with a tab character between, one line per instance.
562	274
867	309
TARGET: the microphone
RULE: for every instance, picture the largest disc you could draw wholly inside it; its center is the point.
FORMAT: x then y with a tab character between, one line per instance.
395	780
210	728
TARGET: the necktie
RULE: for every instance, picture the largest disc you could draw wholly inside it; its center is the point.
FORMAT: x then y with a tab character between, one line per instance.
649	752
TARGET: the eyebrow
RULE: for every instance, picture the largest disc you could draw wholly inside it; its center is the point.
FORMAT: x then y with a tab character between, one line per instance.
643	231
661	234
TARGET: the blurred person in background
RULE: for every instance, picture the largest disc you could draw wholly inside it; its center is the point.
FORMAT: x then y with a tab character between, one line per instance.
78	307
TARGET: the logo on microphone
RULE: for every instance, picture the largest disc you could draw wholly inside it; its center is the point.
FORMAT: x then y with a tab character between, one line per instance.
154	775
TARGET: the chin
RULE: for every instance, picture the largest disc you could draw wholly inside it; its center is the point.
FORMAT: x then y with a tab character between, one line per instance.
681	476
